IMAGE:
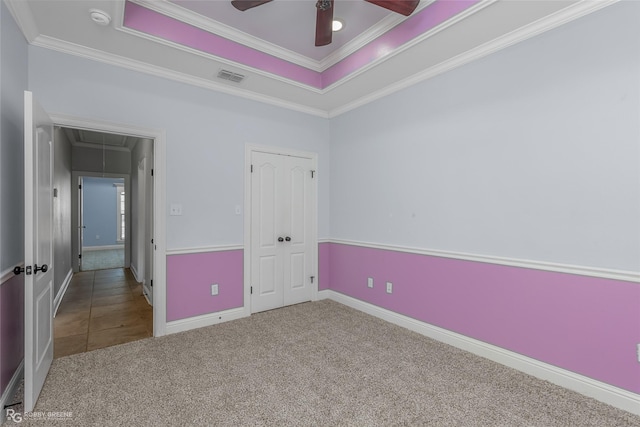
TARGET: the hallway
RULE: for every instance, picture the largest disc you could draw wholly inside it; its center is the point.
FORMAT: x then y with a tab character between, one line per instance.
101	308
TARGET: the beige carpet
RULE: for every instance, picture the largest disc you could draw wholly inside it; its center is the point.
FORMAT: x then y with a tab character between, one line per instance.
313	364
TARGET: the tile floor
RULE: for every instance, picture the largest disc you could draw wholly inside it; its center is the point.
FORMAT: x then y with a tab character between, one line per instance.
101	308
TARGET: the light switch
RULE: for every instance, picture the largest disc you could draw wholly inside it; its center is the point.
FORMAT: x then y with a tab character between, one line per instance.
176	209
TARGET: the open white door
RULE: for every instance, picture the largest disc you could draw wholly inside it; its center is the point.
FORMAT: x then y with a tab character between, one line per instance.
38	247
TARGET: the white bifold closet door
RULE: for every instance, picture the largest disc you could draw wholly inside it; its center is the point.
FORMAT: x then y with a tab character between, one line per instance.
282	200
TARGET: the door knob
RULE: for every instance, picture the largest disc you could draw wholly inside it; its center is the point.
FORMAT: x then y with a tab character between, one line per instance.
280	239
26	270
288	239
44	268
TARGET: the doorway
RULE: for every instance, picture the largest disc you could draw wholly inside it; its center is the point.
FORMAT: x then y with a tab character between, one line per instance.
145	262
102	216
281	228
105	303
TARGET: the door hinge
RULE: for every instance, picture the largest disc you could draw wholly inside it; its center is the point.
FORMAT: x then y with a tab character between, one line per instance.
312	173
251	168
152	283
79	256
312	277
80	186
151	241
251	290
151	172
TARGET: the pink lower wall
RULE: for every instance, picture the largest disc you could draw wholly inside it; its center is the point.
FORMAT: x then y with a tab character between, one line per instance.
324	266
583	324
11	328
189	280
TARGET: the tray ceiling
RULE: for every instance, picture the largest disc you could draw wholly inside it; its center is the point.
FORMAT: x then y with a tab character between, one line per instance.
272	46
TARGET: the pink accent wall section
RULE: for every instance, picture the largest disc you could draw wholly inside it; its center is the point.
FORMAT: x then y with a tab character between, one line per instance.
428	18
11	328
147	21
324	266
153	23
189	280
583	324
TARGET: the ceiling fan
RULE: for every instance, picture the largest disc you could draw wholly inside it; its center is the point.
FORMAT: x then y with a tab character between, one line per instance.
324	14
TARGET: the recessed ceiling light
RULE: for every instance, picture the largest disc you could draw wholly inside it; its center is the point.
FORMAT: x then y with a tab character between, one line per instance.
100	17
336	25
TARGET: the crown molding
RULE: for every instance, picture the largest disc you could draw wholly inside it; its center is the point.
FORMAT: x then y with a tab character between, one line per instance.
132	64
566	15
192	18
382	27
21	13
221	59
443	26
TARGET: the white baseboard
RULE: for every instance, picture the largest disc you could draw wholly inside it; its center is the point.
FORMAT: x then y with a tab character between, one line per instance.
146	296
101	248
205	320
603	392
58	299
10	391
135	273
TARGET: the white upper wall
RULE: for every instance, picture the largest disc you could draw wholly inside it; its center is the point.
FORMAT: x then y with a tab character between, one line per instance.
61	209
206	135
13	82
530	153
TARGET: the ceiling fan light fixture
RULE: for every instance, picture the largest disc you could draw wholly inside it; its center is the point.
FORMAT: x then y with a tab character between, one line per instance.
337	25
100	17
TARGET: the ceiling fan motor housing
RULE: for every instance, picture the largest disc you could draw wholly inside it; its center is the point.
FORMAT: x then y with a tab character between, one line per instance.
323	4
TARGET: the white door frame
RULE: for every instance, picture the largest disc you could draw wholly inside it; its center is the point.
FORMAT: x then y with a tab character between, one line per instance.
159	189
250	148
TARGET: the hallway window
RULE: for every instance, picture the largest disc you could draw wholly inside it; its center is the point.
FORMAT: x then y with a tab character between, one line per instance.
121	211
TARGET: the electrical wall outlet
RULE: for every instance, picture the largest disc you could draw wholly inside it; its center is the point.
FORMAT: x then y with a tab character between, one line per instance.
370	282
389	287
214	289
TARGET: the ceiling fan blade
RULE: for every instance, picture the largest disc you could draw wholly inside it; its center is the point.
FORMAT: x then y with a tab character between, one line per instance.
247	4
324	20
403	7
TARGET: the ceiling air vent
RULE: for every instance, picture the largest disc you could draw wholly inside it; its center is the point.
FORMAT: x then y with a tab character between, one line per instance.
231	76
